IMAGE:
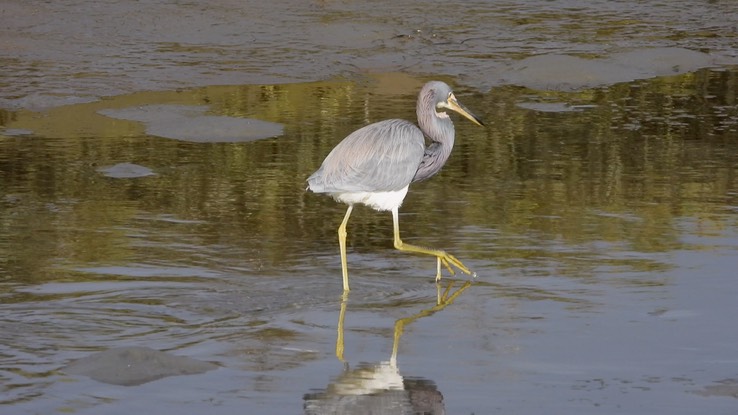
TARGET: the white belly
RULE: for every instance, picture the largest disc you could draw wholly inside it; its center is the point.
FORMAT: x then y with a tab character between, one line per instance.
375	200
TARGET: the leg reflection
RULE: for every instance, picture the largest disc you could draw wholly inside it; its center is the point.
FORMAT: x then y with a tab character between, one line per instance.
444	297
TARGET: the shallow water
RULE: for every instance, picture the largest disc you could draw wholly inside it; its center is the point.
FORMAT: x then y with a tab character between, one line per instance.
604	239
601	221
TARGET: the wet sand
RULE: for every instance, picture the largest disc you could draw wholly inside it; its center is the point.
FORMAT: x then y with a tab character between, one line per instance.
62	52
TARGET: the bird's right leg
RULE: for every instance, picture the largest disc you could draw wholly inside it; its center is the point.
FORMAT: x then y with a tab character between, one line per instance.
342	245
442	257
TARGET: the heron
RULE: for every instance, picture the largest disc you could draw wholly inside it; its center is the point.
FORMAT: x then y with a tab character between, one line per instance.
376	164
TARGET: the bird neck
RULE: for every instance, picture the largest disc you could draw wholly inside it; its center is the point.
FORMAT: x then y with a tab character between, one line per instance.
434	158
440	132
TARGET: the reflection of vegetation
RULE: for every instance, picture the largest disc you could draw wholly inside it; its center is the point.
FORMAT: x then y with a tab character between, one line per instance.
618	173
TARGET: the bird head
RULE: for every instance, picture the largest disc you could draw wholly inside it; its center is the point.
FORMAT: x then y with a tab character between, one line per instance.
445	99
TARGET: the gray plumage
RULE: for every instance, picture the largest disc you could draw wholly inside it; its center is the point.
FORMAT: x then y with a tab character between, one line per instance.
389	155
381	156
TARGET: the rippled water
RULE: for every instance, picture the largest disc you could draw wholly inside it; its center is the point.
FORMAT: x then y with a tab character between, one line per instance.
67	51
601	222
604	239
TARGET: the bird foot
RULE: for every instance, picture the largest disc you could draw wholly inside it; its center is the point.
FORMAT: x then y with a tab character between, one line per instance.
447	260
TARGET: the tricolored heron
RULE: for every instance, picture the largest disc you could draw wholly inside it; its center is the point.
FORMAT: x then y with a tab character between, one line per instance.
375	165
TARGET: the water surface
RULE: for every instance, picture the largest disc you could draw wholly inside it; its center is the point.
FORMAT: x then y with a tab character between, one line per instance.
599	216
604	240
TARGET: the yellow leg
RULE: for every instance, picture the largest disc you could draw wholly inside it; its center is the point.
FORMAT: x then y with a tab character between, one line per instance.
443	258
342	245
341	318
443	301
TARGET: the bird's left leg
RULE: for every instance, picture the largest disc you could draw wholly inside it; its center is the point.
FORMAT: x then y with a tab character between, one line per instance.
442	256
342	247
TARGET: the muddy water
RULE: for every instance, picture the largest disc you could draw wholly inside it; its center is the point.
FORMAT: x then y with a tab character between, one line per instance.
600	217
55	53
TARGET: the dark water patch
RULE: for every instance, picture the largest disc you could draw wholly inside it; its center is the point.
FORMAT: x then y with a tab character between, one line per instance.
567	73
548	106
188	123
135	365
126	171
727	388
16	132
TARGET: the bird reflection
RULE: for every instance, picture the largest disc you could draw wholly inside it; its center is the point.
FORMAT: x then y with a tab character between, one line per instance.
380	388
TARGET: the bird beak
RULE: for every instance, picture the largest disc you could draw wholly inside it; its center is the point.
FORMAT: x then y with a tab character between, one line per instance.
454	105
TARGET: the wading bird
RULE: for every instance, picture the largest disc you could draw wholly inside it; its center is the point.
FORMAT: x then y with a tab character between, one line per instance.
375	165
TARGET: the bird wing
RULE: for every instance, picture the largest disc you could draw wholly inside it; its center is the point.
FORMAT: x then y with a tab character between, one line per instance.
383	156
